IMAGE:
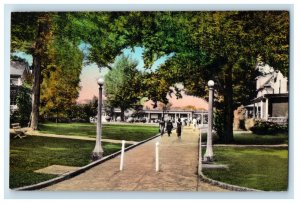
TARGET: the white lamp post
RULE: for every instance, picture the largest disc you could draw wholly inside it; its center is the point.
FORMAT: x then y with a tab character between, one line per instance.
208	156
98	150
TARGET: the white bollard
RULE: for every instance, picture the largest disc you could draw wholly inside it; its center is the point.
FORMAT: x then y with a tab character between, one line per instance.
122	155
200	155
157	156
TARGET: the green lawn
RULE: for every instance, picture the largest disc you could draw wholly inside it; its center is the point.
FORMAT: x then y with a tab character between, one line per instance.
110	131
253	139
32	153
263	169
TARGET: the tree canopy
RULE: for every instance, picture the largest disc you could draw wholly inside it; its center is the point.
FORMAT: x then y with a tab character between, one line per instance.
224	46
123	84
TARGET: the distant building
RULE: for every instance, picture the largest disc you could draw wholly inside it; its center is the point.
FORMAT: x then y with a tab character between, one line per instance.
271	102
19	71
154	115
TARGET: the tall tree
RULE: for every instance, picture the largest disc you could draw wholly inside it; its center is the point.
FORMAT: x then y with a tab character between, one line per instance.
122	84
60	86
34	32
31	32
222	46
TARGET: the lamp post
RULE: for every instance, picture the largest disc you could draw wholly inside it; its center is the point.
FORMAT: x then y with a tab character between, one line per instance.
208	156
98	150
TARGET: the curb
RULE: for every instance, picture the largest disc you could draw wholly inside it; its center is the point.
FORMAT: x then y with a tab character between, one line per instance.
80	170
220	184
226	185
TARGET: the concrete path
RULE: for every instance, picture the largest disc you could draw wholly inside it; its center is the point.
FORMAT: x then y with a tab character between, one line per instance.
178	169
36	133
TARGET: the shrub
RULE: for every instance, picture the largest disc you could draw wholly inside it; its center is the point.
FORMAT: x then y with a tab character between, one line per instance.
219	123
266	127
23	100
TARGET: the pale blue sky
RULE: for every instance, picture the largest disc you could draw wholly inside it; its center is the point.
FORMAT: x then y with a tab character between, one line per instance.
90	73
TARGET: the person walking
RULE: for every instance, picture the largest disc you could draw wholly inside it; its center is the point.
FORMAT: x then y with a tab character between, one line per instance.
169	127
162	127
194	124
178	130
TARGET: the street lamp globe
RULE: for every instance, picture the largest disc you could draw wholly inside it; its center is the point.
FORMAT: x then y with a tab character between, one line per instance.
100	81
211	83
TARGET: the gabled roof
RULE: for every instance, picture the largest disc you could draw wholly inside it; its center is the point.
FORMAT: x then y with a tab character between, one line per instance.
18	68
271	77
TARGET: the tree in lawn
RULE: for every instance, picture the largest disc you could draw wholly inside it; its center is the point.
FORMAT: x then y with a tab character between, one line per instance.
31	32
223	46
122	84
60	85
237	39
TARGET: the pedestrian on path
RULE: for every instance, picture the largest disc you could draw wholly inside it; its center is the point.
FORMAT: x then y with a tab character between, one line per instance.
169	127
194	124
162	127
178	130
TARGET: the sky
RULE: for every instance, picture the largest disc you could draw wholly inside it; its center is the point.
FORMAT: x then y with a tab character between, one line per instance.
91	73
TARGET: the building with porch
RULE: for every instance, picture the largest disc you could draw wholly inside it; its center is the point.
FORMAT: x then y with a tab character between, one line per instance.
271	103
155	115
19	71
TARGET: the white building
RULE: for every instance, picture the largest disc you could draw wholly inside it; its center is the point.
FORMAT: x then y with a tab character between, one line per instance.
19	71
271	102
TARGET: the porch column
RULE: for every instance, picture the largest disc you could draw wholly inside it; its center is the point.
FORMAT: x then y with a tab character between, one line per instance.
261	109
267	109
254	110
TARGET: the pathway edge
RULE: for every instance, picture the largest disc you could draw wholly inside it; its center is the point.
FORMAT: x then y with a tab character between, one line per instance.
80	170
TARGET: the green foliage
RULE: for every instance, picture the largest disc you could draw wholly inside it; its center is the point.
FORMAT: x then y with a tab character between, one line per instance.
218	123
266	127
23	101
60	86
23	30
122	84
223	46
83	112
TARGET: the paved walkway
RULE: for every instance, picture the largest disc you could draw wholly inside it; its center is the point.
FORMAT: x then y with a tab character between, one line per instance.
178	169
36	133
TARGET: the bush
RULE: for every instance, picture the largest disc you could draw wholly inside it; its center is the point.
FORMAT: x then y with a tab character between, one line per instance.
22	114
219	123
266	127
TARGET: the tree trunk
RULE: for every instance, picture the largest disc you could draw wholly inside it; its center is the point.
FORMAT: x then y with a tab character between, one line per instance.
36	91
39	48
122	114
228	105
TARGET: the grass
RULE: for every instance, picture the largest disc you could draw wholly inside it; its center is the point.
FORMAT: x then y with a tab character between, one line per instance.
253	139
262	169
32	153
110	131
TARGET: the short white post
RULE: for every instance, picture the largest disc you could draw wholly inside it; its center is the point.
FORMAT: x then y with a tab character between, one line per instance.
122	155
157	156
200	155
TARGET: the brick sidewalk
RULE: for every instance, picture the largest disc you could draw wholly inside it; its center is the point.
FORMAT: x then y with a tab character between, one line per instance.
178	169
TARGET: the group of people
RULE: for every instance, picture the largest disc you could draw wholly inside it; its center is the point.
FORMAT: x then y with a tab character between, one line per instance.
169	127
